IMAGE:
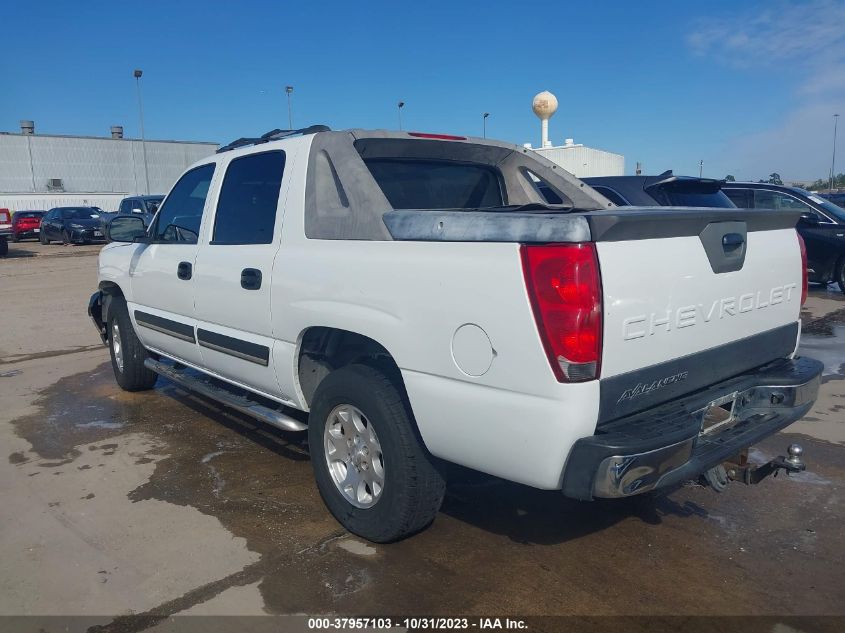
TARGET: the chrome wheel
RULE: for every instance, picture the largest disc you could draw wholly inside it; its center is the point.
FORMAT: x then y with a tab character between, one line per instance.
354	457
117	348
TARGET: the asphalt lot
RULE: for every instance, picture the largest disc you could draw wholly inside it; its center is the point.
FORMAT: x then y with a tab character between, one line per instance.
163	503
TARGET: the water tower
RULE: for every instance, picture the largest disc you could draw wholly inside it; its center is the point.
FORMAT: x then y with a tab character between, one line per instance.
544	106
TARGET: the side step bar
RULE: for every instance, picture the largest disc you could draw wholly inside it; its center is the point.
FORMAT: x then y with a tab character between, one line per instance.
205	387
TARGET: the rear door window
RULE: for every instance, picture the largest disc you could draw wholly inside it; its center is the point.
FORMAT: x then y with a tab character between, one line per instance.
435	184
740	197
249	198
768	199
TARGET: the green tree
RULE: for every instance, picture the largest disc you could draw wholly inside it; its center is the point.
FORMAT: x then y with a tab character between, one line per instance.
774	179
730	178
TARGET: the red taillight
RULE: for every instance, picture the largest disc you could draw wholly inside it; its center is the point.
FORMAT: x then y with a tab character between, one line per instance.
442	137
565	291
803	267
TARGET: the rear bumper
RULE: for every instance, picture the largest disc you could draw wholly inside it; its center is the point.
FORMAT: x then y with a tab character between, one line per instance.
665	446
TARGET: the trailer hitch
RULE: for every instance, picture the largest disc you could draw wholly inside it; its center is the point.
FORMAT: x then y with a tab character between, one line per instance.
718	477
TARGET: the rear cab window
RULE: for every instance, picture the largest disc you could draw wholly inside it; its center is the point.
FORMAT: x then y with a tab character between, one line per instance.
684	195
436	184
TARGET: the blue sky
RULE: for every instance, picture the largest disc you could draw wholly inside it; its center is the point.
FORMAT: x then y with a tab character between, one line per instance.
749	88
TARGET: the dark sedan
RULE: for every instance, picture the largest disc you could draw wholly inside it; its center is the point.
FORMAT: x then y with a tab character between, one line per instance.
664	190
72	225
822	224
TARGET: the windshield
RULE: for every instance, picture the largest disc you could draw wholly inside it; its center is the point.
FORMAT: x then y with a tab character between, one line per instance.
153	204
826	205
29	214
79	214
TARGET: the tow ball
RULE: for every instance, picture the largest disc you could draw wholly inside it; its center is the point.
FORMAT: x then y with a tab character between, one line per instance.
719	476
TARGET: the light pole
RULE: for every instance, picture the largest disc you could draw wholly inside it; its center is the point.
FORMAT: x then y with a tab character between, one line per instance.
400	106
833	160
700	168
288	91
484	124
137	74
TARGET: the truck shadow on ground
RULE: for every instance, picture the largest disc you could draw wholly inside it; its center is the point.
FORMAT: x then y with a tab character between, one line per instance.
530	516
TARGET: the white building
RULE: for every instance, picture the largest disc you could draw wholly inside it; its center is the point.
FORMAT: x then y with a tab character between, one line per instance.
41	171
582	161
575	158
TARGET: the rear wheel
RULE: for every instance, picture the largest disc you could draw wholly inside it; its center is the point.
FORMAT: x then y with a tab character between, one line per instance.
127	353
65	237
15	238
42	237
839	274
373	472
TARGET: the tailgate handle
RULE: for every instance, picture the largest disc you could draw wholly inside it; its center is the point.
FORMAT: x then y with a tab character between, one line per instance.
732	241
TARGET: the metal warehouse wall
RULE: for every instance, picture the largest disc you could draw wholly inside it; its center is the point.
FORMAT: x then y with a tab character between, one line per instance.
584	162
45	201
90	164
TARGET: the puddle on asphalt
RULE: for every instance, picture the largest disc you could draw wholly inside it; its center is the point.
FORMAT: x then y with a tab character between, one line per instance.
258	483
829	349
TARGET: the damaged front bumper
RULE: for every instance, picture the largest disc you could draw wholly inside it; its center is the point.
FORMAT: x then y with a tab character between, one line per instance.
683	439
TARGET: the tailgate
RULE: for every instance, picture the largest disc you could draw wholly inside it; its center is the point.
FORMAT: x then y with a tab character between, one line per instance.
692	297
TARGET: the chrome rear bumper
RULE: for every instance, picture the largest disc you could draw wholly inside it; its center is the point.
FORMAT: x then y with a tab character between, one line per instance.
682	439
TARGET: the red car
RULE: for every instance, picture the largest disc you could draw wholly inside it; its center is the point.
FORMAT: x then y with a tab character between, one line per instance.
26	224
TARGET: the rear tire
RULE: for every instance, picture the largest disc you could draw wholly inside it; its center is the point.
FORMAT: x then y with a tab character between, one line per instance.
15	238
840	275
127	353
411	489
66	237
42	237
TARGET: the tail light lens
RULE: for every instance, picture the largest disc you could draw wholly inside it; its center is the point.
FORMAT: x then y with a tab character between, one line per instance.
564	287
803	268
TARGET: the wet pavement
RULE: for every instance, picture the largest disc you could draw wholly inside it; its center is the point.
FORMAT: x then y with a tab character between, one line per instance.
163	503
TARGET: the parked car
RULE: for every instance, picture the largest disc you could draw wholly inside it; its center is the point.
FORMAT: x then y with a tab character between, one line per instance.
821	224
72	225
143	206
5	231
424	304
836	198
665	189
26	224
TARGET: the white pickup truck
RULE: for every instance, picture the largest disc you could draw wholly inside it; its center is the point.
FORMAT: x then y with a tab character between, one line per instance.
413	299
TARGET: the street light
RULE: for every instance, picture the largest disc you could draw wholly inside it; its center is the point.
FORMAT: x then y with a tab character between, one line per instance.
833	160
401	105
137	74
700	168
288	91
484	124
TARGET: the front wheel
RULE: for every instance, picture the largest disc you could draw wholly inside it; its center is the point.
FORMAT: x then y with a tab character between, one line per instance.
66	237
372	470
127	353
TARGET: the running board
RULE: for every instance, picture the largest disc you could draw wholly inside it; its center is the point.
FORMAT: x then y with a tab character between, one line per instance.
205	387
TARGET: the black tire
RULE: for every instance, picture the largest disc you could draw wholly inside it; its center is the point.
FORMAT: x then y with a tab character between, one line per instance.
413	487
42	237
4	247
132	376
840	275
66	237
15	238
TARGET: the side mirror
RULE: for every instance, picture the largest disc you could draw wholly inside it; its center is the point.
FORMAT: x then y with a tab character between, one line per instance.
809	219
125	228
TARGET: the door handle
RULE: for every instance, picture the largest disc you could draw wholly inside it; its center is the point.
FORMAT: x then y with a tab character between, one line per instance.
250	279
184	270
